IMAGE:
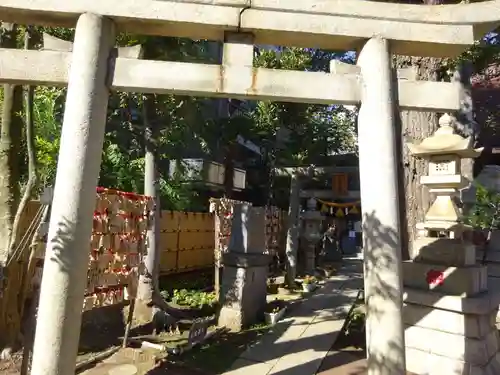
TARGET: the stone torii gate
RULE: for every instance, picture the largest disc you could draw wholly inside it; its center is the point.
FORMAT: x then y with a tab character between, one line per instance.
295	174
92	68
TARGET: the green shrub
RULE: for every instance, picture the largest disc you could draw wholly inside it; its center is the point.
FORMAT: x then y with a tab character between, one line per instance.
194	298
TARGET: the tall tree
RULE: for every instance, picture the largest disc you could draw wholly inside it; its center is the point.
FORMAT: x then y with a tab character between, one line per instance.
416	126
10	160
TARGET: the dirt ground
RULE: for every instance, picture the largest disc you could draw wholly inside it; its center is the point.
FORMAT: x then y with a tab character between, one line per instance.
11	366
103	329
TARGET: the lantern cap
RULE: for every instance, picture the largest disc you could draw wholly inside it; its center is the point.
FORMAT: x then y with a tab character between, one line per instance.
445	141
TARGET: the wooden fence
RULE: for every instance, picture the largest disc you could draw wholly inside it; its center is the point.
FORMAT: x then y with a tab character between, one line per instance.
16	289
187	240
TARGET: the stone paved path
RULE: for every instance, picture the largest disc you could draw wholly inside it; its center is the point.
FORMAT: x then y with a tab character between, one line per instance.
299	344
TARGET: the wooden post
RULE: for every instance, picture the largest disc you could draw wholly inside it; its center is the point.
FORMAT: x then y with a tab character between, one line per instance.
217	256
177	246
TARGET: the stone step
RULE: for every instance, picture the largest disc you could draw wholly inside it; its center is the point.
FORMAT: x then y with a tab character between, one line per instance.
466	281
491	257
493	269
426	363
468	325
471	350
481	304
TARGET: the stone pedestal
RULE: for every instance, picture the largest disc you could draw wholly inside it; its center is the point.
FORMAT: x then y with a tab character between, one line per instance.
310	257
244	280
449	314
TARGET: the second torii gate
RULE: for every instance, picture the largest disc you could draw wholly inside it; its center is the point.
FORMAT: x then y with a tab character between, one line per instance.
92	69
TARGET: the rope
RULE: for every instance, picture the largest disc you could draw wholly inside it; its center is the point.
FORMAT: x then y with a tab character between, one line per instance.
339	205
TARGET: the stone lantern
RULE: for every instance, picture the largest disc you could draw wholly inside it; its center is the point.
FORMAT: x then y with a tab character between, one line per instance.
311	233
444	150
449	312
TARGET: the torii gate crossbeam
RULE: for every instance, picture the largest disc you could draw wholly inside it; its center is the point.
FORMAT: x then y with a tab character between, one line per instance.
341	24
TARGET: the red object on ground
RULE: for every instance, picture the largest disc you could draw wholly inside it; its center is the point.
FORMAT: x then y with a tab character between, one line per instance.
435	278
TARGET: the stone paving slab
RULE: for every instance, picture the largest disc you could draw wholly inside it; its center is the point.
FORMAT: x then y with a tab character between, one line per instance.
125	360
306	355
298	344
342	363
244	367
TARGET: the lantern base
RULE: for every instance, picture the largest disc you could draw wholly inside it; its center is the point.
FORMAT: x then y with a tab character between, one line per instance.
456	281
451	335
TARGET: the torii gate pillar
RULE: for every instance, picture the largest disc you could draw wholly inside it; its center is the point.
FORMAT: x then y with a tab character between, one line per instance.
61	299
380	211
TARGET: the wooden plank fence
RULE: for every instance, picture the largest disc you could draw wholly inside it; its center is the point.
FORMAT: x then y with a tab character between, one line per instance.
187	240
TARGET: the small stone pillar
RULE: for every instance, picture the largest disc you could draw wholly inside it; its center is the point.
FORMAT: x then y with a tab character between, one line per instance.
292	234
244	281
311	233
449	312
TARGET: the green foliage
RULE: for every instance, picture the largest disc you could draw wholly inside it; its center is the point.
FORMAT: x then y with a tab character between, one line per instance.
47	111
314	130
309	280
194	298
485	213
355	322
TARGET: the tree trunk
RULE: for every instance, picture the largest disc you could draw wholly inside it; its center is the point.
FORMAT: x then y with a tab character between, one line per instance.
10	140
149	299
29	331
146	281
416	126
229	170
466	125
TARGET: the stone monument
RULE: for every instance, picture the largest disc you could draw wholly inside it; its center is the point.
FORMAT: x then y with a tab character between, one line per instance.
244	280
311	234
449	312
